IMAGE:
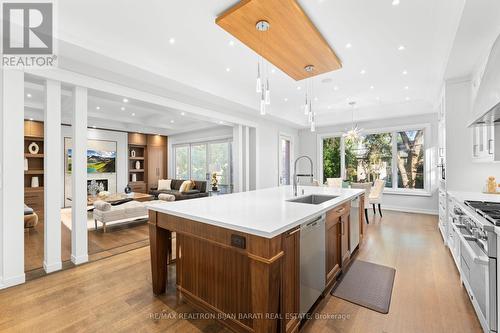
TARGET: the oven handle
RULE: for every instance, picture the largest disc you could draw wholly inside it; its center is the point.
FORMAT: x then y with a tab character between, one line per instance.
477	259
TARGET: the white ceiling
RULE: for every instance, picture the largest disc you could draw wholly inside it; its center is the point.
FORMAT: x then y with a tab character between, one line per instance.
139	33
112	112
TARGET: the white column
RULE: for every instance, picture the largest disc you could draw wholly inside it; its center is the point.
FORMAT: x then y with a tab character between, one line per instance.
12	179
247	158
79	252
52	181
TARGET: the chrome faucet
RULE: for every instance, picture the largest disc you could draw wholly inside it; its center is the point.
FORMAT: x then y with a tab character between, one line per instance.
295	175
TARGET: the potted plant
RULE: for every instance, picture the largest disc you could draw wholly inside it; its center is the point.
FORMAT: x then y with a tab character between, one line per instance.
214	181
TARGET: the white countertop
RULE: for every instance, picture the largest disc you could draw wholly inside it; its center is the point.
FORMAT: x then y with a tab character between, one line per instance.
263	213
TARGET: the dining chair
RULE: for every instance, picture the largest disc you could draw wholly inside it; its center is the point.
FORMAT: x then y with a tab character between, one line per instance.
334	182
367	187
376	193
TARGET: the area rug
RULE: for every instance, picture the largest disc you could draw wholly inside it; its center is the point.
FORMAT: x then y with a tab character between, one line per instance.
368	285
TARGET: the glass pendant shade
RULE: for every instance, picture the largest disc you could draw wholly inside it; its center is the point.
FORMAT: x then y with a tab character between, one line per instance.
313	126
268	94
258	86
262	105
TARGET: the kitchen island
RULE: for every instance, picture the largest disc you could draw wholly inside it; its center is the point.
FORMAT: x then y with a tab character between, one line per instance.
238	255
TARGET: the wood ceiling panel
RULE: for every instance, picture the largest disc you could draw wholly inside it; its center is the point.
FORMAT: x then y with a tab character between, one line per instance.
291	43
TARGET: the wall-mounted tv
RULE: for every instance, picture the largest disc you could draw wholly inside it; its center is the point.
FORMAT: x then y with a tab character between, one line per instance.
101	156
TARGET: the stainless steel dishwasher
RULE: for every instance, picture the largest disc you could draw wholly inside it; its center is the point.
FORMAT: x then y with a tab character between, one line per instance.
312	262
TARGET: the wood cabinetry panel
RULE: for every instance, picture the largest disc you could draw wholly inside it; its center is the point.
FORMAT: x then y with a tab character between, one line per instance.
332	246
137	139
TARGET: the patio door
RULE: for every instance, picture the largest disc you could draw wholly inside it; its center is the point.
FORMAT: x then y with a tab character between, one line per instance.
285	160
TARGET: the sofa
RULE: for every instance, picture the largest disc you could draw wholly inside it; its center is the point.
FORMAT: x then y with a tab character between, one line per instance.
199	190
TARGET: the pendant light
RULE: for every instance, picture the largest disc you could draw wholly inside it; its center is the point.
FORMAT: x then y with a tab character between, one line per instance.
308	108
262	84
354	133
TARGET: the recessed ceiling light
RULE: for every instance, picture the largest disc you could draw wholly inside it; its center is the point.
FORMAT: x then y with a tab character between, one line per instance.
231	43
125	100
285	99
220	122
363	72
348	45
405	72
183	113
273	70
407	98
315	99
97	107
378	98
395	2
228	69
133	114
94	126
171	40
28	95
336	88
406	88
122	108
372	87
31	119
299	87
172	121
401	48
329	107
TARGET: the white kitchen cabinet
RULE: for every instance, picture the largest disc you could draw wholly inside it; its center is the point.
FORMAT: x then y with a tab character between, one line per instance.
484	148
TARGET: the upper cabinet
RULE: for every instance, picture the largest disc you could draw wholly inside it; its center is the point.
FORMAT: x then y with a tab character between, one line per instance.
486	89
484	146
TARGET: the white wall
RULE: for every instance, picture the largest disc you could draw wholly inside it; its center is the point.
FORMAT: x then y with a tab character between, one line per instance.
121	139
462	174
308	145
209	134
264	149
267	151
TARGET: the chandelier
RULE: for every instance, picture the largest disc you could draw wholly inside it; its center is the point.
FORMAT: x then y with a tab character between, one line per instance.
354	133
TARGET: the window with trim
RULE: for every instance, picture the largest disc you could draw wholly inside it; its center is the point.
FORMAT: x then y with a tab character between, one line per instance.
398	157
198	161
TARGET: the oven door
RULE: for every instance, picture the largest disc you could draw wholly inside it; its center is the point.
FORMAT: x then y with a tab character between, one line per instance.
474	268
493	299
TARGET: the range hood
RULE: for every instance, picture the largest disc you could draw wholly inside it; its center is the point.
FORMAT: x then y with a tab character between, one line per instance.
487	103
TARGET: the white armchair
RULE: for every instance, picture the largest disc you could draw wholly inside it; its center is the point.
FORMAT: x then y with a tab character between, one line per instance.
375	197
367	187
334	182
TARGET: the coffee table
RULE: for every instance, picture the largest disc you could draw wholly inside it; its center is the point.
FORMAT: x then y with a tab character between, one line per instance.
118	197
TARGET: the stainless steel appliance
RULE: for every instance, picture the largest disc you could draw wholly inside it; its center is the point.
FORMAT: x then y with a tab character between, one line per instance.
478	263
312	262
488	210
354	225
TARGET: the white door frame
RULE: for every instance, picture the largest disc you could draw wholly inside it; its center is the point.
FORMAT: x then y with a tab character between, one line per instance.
288	137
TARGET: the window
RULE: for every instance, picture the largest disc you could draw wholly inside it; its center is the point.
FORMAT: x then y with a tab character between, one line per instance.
398	157
198	161
369	158
181	162
410	159
332	167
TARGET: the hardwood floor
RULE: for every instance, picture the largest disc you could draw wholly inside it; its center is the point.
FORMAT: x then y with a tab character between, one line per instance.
99	244
115	294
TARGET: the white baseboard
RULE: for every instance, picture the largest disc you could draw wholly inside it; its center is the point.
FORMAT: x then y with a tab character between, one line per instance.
410	210
57	266
10	282
79	260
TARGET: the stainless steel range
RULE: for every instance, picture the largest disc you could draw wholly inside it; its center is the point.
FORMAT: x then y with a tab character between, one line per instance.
488	210
477	256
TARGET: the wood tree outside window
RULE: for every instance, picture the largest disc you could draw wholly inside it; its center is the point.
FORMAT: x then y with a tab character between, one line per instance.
410	159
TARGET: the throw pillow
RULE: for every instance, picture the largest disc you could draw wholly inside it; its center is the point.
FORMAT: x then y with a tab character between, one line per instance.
164	184
102	205
186	186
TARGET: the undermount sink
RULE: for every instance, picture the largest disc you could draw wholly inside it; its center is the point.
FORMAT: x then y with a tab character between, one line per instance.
313	199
